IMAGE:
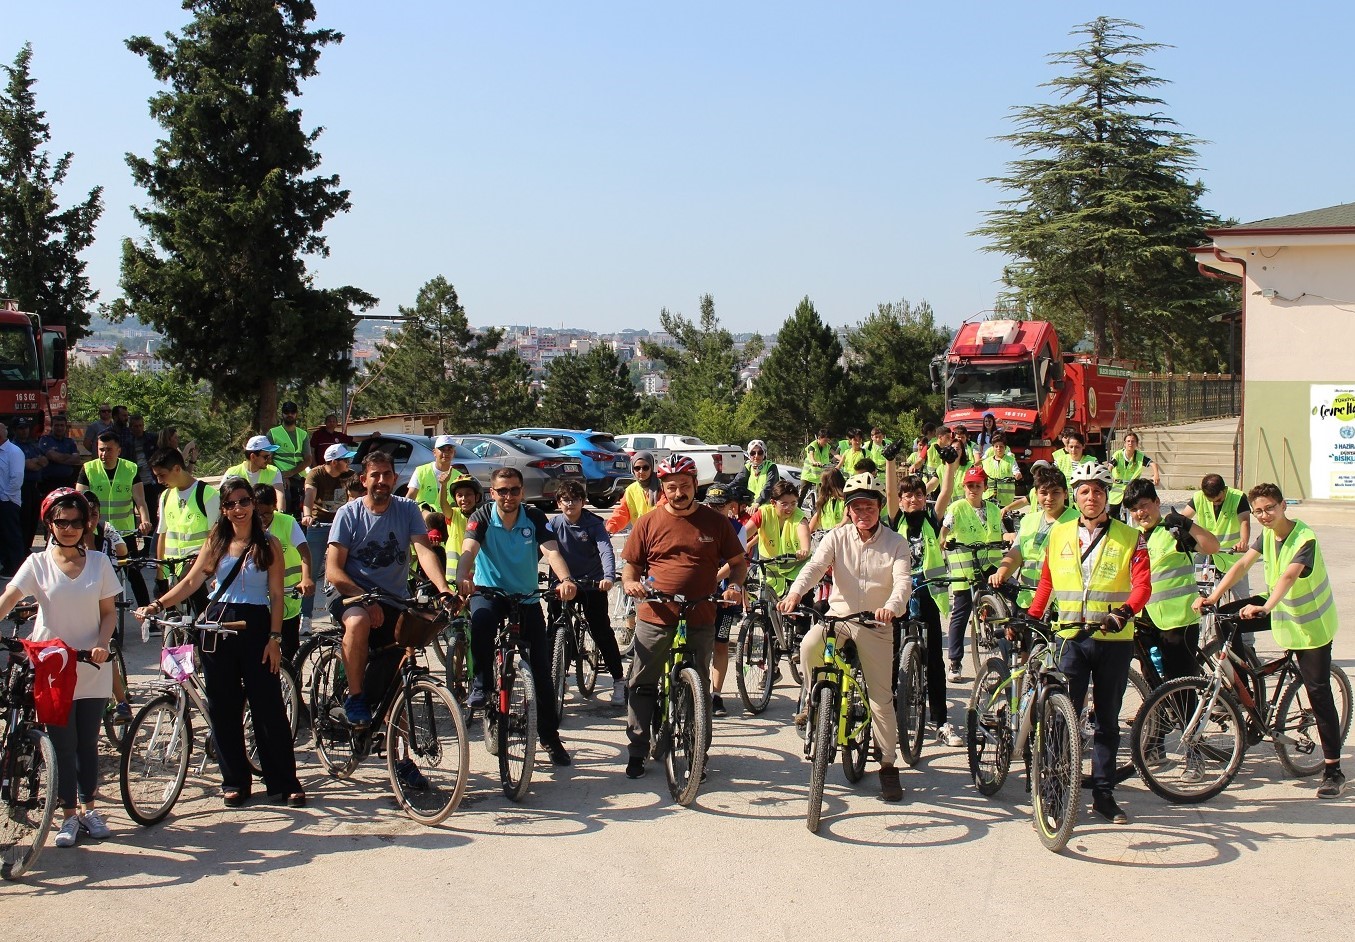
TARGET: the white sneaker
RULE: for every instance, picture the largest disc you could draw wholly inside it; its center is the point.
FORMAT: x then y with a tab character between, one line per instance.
948	735
70	830
955	676
618	692
94	825
305	628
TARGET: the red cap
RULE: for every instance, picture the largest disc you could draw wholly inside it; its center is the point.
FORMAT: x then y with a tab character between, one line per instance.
975	475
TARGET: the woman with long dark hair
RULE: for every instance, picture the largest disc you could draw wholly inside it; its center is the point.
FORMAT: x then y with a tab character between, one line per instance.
244	666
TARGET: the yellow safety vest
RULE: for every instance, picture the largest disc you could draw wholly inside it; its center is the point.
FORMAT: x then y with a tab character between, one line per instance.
291	446
1174	587
1224	523
281	527
1111	581
186	526
115	496
428	489
267	474
1306	617
776	537
966	527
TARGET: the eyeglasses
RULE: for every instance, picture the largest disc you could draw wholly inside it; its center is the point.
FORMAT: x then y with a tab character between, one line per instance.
241	503
569	501
66	523
508	491
640	467
1264	510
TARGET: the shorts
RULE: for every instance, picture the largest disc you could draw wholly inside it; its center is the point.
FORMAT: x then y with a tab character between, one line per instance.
379	637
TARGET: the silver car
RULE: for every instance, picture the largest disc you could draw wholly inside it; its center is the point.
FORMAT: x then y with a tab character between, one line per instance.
542	467
410	451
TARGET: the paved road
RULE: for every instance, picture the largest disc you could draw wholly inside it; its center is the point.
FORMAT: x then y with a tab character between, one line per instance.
593	854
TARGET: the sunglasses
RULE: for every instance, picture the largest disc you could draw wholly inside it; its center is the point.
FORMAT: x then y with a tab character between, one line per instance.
757	451
66	523
241	503
508	491
640	467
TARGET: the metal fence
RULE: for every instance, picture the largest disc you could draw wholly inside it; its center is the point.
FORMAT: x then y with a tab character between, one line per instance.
1174	399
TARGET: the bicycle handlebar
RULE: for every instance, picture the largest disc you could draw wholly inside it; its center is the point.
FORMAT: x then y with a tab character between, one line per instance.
655	595
975	547
781	560
867	617
15	646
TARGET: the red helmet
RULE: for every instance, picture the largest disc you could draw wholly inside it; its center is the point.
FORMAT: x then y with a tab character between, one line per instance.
675	464
64	496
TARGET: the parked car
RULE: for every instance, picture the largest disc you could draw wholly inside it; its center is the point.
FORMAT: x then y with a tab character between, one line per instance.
542	468
410	451
606	467
713	462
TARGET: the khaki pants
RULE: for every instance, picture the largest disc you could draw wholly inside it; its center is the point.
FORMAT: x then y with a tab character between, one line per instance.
875	648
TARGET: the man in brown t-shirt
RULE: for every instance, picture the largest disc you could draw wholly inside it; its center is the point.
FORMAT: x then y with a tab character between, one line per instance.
681	546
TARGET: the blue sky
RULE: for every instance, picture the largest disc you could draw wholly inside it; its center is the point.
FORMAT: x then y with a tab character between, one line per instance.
588	164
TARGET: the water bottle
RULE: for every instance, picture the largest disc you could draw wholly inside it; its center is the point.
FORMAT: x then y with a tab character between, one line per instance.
1155	653
1026	698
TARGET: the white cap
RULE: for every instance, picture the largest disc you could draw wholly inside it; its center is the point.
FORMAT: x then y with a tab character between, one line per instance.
442	441
338	450
260	443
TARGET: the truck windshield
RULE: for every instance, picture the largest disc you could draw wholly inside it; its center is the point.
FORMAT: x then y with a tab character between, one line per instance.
1010	384
18	356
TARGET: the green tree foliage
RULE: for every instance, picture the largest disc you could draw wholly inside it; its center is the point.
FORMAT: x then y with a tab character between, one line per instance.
704	389
889	356
40	244
802	385
436	363
1102	210
590	391
236	205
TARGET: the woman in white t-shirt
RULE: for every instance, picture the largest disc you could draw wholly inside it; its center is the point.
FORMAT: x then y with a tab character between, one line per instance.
75	590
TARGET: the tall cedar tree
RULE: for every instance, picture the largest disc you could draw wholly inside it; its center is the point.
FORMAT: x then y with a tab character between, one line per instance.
236	206
589	391
1103	212
40	245
889	358
437	363
704	389
802	385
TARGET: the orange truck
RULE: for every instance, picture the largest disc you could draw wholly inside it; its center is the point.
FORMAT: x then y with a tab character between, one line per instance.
32	368
1017	371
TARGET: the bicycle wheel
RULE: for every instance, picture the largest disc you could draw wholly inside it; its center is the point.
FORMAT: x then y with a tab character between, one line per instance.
1294	719
27	804
114	730
586	665
308	654
291	705
560	662
910	701
1188	771
154	764
427	755
987	621
1135	693
335	740
988	729
824	733
1056	789
755	658
685	759
857	750
785	645
517	735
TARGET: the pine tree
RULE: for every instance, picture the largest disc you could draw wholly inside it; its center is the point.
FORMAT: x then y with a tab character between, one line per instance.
40	244
589	391
802	385
1102	210
236	205
889	358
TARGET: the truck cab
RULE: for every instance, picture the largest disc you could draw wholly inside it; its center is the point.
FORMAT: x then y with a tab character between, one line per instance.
32	367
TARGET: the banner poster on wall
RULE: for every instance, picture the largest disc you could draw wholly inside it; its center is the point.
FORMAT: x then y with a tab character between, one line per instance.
1331	432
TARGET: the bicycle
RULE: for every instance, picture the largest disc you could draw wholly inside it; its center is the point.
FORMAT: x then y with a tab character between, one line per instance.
510	709
763	638
680	724
990	609
839	714
114	725
28	797
415	720
911	688
573	646
1192	732
1023	706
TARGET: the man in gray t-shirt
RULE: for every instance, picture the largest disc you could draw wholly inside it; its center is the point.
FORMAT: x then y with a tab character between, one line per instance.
369	545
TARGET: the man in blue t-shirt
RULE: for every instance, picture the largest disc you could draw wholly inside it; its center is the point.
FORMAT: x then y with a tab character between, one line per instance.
503	542
369	545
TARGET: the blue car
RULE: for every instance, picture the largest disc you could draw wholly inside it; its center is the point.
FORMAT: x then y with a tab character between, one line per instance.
606	467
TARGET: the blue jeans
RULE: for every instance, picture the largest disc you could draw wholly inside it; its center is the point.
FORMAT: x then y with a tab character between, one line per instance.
317	538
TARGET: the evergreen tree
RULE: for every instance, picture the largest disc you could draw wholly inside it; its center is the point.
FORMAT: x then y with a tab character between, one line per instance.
40	244
802	385
236	204
889	356
590	391
1102	210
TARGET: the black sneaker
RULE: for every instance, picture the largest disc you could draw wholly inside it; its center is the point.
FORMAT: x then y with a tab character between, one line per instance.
1103	803
635	767
717	705
1333	784
558	755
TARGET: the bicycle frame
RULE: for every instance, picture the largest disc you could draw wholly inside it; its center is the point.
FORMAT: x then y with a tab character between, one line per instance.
839	675
1253	694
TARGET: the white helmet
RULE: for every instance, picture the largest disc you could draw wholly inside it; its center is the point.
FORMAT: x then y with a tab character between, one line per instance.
1097	473
862	485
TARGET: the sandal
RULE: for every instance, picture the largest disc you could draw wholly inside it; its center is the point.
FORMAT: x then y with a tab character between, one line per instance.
296	800
234	799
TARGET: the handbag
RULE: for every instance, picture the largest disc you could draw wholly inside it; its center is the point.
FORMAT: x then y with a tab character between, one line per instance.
220	591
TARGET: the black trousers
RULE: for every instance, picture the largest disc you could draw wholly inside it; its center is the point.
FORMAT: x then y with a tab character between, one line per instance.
235	673
1105	666
1315	666
936	663
12	550
485	617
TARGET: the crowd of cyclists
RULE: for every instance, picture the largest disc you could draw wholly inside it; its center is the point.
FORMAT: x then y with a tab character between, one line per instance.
1083	544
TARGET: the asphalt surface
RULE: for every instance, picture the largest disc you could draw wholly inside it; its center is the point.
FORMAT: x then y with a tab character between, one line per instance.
592	854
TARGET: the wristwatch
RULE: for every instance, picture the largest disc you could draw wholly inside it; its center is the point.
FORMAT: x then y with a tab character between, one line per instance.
275	636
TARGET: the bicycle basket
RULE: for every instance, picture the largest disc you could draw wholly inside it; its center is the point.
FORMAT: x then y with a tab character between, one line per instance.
416	628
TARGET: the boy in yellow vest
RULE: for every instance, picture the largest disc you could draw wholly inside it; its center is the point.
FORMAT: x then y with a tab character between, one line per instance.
969	521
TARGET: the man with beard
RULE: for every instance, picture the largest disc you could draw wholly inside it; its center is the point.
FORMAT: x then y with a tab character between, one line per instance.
293	448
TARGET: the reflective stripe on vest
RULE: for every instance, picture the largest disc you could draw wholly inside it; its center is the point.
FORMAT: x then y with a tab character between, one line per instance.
1004	467
1174	587
186	527
1111	576
968	528
115	496
281	527
1032	544
291	451
1223	523
1306	617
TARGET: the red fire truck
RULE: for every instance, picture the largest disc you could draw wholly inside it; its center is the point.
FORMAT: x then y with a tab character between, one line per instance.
1016	370
32	367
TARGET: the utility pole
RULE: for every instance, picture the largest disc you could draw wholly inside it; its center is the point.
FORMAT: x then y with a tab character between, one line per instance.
346	405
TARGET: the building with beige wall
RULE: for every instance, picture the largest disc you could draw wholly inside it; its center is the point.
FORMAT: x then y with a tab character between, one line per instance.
1298	300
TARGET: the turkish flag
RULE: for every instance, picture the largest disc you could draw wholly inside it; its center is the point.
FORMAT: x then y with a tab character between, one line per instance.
53	679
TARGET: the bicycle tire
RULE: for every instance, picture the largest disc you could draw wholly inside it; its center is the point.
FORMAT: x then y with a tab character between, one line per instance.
586	665
857	750
685	759
560	663
1294	715
517	735
988	729
1056	787
155	755
1187	773
1136	692
791	650
426	732
291	705
755	658
910	701
307	655
987	620
824	731
113	730
336	742
27	805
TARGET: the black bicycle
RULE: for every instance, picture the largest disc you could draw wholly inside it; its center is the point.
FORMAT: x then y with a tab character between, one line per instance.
990	609
911	688
573	647
765	636
511	707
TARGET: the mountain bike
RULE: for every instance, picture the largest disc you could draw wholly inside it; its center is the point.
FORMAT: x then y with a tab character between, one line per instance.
416	721
764	636
1192	732
1022	705
839	714
680	725
573	646
911	688
990	609
511	707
